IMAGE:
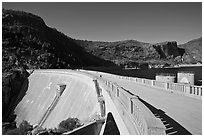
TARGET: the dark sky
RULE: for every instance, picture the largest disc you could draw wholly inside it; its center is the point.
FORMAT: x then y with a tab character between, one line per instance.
147	22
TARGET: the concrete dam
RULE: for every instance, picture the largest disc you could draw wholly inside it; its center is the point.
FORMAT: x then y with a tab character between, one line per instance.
110	104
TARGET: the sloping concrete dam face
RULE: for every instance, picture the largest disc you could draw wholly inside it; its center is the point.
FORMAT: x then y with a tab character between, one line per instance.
78	100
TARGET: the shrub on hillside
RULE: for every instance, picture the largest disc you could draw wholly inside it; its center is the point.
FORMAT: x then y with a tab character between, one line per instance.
23	129
69	124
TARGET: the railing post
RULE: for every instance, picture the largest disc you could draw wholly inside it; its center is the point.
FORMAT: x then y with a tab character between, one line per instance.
193	90
188	89
167	86
102	106
153	82
197	91
117	92
98	90
183	89
143	81
201	91
100	98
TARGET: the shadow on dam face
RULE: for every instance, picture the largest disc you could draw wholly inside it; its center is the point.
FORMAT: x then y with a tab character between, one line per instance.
172	127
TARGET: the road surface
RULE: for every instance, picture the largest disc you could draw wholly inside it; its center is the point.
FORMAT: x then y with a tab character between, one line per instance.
185	110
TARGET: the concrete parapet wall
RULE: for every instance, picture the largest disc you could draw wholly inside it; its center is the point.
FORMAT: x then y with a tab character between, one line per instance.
147	81
186	89
146	120
196	90
143	119
139	80
125	124
176	87
159	84
125	99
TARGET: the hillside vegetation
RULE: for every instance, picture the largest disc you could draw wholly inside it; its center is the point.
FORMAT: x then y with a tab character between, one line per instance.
132	53
193	51
28	42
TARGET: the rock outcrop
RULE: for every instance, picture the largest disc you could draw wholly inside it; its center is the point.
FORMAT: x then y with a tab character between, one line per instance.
193	51
14	86
167	49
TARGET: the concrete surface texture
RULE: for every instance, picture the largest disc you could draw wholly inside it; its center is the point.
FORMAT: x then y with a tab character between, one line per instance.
110	107
185	110
79	98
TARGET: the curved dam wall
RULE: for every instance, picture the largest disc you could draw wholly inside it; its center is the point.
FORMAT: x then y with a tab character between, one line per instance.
79	98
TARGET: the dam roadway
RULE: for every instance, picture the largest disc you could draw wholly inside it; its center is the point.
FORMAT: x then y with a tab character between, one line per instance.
94	101
187	111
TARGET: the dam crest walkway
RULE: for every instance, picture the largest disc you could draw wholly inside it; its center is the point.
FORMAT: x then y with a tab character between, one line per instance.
132	105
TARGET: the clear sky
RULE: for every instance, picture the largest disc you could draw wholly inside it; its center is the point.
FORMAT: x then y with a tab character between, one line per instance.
146	22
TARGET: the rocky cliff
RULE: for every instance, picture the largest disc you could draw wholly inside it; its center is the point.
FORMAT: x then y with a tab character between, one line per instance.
193	51
14	86
133	53
167	49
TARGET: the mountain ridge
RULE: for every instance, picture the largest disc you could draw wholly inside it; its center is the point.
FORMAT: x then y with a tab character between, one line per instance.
25	33
193	50
27	40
